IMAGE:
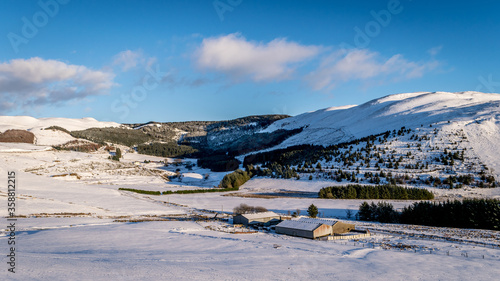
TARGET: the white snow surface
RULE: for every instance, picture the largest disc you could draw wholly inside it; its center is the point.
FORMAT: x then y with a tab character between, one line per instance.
338	124
74	228
85	242
51	137
27	122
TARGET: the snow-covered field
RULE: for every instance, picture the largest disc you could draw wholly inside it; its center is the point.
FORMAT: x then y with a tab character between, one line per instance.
75	224
71	230
188	251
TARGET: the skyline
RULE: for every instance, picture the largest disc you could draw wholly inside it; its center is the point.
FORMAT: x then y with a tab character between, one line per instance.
217	60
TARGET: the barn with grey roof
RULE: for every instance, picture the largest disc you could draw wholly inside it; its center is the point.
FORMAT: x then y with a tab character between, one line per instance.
312	228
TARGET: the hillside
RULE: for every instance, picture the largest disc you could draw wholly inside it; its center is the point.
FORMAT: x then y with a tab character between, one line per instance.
212	135
476	114
50	137
339	124
445	146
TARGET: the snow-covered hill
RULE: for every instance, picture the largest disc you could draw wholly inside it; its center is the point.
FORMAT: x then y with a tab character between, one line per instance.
339	124
51	137
477	114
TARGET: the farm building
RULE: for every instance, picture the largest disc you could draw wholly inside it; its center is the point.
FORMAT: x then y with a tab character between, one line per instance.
338	227
313	228
263	218
304	229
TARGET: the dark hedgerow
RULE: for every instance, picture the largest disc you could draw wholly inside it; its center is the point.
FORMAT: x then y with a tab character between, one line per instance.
386	191
57	128
150	192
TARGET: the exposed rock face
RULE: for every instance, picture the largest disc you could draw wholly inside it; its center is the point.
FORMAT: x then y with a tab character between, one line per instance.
17	136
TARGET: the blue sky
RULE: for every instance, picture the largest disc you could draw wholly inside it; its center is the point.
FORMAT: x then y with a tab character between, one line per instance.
138	61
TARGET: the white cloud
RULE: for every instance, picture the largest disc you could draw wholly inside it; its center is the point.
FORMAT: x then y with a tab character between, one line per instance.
128	59
234	56
434	51
362	65
36	81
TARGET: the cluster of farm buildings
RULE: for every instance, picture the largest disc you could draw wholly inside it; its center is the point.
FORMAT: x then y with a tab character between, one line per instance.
312	228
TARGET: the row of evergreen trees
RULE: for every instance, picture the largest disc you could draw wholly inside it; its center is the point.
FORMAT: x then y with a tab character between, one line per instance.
273	170
381	212
386	191
219	163
468	213
166	149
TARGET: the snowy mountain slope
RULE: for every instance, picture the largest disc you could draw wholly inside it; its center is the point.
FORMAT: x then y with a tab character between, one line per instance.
484	136
339	124
27	122
50	137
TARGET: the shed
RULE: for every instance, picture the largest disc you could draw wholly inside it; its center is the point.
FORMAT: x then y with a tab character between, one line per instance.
338	227
304	229
257	218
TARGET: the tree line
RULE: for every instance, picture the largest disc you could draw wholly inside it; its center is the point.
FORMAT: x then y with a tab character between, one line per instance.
166	149
273	170
468	213
386	191
219	162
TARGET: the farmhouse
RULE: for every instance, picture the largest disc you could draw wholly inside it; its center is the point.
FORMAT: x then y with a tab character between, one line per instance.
304	229
262	218
313	228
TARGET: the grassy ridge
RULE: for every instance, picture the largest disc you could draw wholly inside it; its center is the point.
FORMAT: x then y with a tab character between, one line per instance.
123	136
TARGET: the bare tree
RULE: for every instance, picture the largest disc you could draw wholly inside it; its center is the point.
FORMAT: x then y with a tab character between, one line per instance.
348	213
246	209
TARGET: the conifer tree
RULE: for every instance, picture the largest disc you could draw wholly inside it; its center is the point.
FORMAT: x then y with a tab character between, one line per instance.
312	211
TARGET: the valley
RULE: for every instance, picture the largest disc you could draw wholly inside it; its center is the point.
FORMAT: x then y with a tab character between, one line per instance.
75	208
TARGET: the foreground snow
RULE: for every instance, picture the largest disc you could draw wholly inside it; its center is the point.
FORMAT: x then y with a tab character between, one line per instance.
188	251
76	229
